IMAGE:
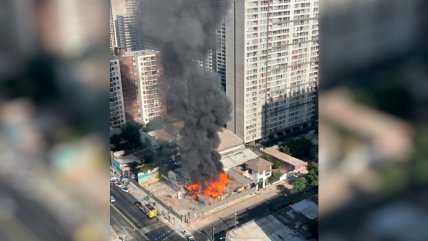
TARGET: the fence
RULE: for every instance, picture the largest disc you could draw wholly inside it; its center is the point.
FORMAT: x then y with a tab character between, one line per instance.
197	213
159	202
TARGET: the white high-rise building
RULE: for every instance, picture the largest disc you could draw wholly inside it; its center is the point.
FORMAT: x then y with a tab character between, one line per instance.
149	75
271	66
117	109
140	74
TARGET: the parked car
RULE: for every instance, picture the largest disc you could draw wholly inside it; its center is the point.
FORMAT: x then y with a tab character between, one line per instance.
191	238
139	205
118	184
112	199
124	188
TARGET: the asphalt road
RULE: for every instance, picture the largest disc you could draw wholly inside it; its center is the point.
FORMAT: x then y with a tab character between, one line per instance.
251	213
148	229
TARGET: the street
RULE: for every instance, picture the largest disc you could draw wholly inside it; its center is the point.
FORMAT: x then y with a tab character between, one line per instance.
254	212
146	228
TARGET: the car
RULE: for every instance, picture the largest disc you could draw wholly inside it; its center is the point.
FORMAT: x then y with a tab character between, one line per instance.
118	184
124	188
139	205
191	238
112	199
113	179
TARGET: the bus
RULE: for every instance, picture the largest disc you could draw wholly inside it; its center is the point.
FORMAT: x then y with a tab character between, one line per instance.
148	209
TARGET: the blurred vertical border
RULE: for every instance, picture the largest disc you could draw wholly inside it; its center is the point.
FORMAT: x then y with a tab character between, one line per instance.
54	111
373	120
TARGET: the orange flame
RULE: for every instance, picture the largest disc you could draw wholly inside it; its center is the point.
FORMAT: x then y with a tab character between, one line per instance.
213	188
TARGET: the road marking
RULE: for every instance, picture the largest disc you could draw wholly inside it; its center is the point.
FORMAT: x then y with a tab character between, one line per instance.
129	221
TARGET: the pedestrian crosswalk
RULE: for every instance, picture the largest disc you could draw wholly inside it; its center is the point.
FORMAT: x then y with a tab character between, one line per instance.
166	236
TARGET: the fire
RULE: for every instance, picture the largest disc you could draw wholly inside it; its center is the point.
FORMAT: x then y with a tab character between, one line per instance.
213	188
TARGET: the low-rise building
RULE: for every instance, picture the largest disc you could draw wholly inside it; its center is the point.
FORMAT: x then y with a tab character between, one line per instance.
267	228
259	170
291	163
120	163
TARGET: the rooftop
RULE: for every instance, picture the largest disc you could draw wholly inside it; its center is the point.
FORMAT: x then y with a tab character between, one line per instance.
308	208
236	175
161	134
238	158
274	152
268	228
259	165
228	140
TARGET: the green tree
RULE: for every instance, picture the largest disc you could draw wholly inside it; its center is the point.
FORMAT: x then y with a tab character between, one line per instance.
285	149
300	147
299	184
275	176
312	176
276	164
313	168
312	179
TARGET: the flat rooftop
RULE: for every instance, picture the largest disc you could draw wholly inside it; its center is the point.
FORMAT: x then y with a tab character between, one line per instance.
268	228
274	152
307	208
238	158
228	140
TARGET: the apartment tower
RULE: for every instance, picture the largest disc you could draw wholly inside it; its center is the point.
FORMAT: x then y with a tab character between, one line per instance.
117	109
271	66
140	76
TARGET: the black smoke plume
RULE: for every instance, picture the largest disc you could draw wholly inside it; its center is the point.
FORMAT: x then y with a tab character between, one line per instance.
193	96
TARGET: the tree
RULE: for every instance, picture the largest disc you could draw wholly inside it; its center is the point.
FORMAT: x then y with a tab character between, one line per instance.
299	184
300	147
312	176
275	176
313	168
312	179
276	164
285	149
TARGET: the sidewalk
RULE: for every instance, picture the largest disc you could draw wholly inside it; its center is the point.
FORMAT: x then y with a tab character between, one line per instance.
140	195
249	201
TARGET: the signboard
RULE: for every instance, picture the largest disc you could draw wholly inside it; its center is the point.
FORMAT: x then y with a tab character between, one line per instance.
115	164
149	177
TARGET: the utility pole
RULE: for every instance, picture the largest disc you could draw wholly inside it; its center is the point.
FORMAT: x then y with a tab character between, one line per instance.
213	234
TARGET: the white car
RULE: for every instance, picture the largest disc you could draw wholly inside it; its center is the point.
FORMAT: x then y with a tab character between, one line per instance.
191	238
118	184
112	200
124	188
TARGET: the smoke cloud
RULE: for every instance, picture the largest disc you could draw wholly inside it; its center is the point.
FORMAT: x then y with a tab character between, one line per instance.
193	96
